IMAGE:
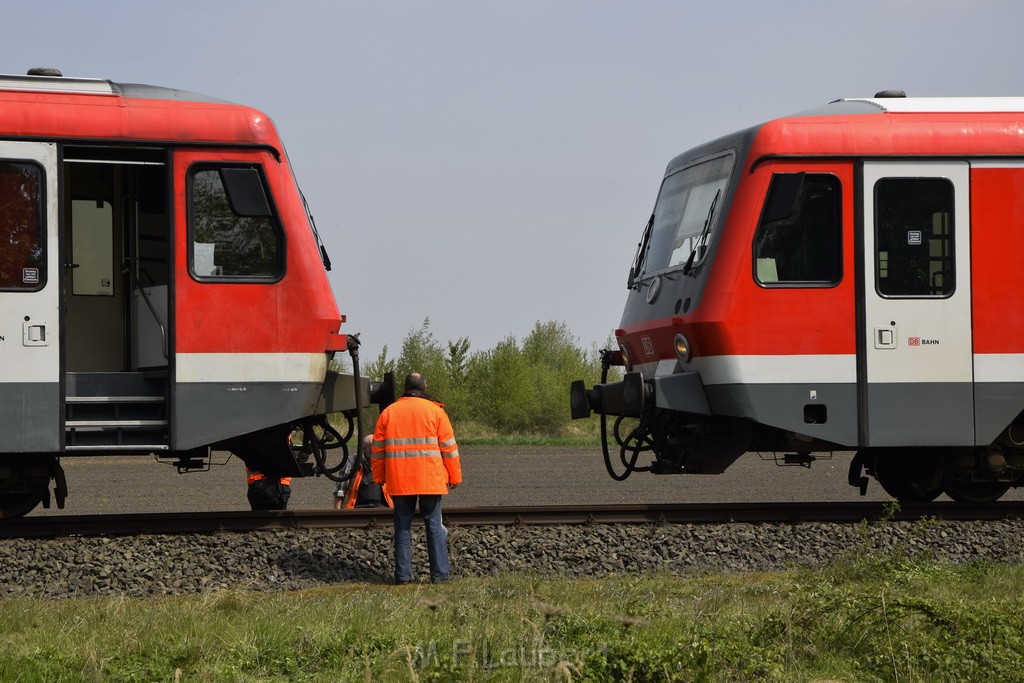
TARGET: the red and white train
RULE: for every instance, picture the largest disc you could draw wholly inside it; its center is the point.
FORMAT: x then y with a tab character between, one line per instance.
162	287
846	278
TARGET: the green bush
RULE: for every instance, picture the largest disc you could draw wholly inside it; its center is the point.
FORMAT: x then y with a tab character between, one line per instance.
514	388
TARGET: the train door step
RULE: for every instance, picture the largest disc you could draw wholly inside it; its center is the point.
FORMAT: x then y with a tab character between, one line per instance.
125	411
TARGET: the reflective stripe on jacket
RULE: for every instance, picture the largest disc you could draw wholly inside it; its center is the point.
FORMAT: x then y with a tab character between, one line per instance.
414	450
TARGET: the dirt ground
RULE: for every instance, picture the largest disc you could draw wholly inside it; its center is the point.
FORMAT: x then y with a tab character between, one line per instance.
506	475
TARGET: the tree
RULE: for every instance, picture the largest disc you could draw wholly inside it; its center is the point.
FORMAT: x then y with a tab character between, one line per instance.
513	388
554	359
457	359
500	387
422	353
380	366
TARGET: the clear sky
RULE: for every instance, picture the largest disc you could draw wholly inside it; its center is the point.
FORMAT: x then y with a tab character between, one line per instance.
492	164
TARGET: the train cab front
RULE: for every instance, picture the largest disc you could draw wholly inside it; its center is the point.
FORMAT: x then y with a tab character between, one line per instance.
650	392
633	395
659	409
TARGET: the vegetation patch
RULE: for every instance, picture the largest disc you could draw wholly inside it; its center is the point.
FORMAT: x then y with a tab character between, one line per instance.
873	615
514	393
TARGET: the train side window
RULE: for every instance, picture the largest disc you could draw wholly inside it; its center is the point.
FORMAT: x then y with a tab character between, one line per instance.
914	237
802	245
22	228
235	234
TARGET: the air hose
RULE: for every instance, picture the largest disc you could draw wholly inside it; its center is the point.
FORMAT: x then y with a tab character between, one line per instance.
638	436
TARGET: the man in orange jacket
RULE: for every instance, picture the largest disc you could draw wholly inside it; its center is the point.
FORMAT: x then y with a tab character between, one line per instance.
415	455
267	493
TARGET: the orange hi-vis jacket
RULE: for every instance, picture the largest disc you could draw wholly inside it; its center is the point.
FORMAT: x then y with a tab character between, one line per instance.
414	451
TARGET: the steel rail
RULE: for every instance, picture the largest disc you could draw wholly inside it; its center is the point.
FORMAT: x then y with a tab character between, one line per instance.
62	526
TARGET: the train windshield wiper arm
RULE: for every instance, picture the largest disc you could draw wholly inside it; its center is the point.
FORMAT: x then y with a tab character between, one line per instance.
701	242
316	235
641	254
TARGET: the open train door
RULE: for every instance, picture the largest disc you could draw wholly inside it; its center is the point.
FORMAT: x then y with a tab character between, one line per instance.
30	282
117	332
915	361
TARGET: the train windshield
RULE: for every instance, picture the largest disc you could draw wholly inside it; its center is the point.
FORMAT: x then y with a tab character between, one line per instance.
685	215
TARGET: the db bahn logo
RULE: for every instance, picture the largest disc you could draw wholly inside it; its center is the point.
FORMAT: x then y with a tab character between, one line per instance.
914	341
648	345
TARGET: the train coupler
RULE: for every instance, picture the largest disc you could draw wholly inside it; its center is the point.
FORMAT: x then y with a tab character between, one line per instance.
625	397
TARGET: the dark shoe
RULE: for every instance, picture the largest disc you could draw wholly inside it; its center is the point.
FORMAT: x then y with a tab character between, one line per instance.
401	582
446	579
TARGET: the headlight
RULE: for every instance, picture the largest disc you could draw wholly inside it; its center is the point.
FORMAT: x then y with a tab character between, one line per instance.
682	345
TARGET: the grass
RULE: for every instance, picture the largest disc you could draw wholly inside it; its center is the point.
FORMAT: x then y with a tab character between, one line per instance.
869	616
579	433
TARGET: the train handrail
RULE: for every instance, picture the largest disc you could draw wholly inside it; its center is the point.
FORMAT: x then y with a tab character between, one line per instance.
152	309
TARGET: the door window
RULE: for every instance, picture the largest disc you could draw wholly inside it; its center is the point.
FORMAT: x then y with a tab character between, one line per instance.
914	254
22	243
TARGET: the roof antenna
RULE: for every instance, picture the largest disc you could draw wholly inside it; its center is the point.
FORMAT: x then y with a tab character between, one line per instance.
44	71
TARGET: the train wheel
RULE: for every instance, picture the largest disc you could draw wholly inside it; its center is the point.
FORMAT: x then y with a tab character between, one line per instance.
21	503
970	476
964	490
25	484
910	476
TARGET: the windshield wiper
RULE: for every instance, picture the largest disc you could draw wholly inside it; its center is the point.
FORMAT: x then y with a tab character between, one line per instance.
316	235
701	242
641	254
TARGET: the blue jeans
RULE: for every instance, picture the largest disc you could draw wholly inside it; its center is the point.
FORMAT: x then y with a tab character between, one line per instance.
437	537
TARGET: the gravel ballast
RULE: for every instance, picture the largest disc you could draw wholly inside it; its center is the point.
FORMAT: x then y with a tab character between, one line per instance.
289	560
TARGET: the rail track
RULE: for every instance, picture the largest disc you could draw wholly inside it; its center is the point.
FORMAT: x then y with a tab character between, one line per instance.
60	526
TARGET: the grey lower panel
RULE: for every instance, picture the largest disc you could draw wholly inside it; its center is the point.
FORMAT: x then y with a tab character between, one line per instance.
953	414
996	405
30	419
208	412
921	414
832	410
682	391
340	392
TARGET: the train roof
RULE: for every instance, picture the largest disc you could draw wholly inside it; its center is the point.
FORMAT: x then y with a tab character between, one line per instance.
923	105
881	126
61	107
99	86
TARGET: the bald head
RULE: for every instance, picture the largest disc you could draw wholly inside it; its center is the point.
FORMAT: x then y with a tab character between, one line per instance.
415	382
